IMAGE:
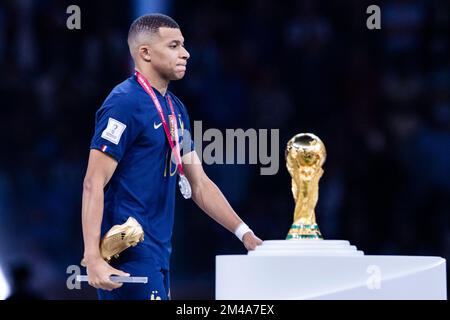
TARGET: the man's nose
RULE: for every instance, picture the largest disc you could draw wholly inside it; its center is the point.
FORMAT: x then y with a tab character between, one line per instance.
185	54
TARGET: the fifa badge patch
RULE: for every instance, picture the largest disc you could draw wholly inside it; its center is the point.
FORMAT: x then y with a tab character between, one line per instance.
113	131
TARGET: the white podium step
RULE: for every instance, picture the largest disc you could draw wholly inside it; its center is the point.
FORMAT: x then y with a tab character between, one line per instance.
327	269
306	248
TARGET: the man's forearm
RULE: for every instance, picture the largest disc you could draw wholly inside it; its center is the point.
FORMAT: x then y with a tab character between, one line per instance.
211	200
92	215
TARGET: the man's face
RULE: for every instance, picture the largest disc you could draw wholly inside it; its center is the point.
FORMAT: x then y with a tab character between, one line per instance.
168	55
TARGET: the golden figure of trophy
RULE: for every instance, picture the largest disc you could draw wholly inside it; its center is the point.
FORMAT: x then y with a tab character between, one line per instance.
305	155
119	238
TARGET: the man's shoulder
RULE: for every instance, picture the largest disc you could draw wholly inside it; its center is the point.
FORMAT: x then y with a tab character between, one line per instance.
123	96
128	86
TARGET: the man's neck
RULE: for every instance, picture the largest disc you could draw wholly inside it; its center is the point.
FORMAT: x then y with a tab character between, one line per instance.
155	80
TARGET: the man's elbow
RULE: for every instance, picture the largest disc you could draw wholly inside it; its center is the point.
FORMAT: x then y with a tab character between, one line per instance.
87	185
200	186
91	183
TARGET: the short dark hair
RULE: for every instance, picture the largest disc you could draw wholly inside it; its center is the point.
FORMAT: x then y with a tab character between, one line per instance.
150	23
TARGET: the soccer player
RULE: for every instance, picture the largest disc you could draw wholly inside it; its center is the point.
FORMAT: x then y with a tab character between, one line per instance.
137	129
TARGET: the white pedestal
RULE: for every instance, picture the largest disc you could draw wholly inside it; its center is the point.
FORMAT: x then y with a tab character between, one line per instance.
327	269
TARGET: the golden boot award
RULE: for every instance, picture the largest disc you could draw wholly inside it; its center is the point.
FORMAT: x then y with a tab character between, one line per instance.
305	155
119	238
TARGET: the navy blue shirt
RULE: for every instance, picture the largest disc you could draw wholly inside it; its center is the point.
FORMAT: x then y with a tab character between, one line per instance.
128	128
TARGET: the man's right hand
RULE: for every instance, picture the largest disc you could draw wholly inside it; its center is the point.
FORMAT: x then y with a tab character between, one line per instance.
99	271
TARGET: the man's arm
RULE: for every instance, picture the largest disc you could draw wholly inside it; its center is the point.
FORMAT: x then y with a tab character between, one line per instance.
99	171
211	200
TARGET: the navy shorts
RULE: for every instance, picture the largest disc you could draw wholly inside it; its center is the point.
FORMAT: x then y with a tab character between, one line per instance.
156	288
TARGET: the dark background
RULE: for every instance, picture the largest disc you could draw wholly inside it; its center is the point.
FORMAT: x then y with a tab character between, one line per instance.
379	99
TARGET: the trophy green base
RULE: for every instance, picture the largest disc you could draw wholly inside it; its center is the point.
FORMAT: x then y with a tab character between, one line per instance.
304	231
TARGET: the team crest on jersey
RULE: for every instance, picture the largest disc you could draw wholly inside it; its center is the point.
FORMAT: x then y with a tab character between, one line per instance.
172	127
113	131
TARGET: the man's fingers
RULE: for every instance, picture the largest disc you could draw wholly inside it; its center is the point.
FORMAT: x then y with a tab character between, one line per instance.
102	285
110	285
117	272
253	242
258	240
115	285
107	283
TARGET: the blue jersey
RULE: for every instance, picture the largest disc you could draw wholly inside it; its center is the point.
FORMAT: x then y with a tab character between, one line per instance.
128	128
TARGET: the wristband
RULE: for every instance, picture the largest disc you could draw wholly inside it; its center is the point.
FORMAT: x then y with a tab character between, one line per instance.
241	230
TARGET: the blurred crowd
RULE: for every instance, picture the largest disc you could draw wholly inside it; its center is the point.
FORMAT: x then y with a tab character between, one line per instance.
378	99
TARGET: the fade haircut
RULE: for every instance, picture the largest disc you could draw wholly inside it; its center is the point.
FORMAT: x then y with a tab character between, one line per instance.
147	25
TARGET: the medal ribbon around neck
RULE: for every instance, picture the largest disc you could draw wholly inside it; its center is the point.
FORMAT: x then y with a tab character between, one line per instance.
183	182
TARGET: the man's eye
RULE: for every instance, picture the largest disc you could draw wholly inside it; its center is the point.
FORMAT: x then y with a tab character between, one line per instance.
173	46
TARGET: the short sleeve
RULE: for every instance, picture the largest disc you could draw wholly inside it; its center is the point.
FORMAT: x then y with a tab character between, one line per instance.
116	126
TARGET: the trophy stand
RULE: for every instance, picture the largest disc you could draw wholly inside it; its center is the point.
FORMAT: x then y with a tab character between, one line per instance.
305	266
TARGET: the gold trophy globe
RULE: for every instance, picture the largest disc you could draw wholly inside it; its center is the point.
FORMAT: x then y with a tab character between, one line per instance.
305	155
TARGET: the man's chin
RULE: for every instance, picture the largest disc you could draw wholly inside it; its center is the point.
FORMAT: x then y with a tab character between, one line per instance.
178	76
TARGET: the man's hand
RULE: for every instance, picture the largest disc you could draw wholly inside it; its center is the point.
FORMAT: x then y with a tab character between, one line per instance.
99	272
251	241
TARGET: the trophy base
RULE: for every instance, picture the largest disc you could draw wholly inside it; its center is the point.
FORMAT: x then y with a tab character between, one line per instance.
304	231
306	247
299	276
326	269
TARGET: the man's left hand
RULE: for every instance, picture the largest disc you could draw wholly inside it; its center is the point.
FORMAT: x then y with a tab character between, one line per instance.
251	241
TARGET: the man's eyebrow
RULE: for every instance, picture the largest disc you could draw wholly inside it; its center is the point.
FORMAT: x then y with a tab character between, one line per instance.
177	41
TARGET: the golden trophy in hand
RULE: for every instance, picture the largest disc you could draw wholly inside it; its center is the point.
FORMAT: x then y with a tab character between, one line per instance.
305	155
119	238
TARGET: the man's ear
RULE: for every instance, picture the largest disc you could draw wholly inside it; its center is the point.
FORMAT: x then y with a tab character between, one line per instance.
144	52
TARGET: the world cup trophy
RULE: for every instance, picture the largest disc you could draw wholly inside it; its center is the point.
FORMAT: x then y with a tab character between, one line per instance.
314	268
305	155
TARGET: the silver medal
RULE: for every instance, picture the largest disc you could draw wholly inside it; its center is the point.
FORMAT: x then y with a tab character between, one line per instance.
185	187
